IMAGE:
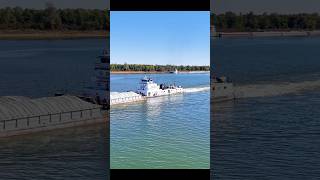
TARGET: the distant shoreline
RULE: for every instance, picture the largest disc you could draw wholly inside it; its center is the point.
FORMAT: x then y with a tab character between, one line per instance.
51	35
266	34
155	72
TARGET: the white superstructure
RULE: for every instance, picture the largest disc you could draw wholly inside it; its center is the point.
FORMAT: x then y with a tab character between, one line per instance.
149	88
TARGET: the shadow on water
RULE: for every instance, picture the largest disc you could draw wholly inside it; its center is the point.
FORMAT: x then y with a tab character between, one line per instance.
72	153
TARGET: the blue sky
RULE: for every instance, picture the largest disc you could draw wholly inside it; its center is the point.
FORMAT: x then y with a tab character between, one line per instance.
160	37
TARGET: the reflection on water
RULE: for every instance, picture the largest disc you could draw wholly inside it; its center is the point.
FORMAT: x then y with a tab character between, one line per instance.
162	132
154	105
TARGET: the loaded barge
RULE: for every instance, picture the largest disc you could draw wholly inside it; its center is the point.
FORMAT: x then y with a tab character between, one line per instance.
23	115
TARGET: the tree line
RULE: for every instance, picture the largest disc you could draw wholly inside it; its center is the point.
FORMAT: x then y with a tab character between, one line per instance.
52	18
229	21
158	68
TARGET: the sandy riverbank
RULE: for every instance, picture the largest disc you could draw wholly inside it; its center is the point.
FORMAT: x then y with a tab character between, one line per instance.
39	35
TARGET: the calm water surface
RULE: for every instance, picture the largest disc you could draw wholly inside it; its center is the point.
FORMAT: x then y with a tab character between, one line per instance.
162	132
40	68
73	153
272	131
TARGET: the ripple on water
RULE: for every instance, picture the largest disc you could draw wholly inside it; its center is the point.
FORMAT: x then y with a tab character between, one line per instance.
162	132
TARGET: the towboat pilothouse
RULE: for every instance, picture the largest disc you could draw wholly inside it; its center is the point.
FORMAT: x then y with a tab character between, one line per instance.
98	91
148	88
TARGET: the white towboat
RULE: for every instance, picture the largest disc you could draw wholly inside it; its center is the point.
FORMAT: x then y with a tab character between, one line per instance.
148	88
222	89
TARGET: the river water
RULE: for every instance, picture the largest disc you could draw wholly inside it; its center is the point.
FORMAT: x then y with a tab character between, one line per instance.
162	132
42	67
272	130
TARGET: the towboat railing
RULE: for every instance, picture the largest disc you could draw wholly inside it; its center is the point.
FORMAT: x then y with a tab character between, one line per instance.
61	118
